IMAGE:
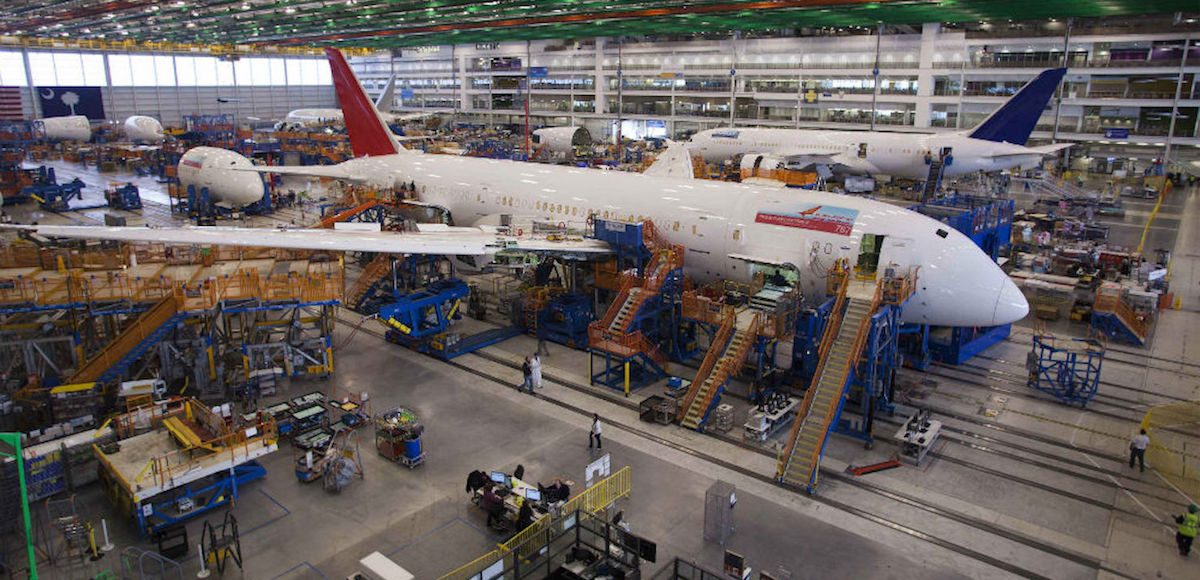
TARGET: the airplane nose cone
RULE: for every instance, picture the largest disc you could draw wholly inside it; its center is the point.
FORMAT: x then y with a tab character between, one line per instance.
1011	305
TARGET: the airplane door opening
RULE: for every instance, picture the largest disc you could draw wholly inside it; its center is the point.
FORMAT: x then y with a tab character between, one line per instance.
868	255
895	256
862	150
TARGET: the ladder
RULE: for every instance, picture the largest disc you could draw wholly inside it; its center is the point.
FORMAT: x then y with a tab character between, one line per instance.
729	349
933	179
841	347
131	344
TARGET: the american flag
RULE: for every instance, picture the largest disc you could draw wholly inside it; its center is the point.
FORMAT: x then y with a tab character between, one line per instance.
10	104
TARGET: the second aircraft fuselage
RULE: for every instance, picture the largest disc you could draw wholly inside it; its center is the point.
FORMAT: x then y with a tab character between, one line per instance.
865	152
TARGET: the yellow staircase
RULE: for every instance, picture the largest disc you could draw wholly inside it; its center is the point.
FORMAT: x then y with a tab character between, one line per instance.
375	271
125	342
844	338
724	359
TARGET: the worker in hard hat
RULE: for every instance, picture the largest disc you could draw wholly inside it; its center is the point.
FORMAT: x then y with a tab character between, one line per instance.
1187	529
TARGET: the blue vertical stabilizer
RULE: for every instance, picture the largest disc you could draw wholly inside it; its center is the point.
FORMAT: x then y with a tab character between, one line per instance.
1015	120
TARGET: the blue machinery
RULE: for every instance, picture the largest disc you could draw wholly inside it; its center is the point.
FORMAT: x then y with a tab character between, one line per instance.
49	193
198	498
205	211
124	196
1068	369
631	354
421	320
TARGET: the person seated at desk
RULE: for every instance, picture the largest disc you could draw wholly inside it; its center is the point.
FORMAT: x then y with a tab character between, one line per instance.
519	472
555	492
525	516
492	504
475	481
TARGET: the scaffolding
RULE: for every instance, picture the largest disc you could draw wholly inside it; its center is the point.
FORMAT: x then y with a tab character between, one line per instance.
178	459
1068	369
200	316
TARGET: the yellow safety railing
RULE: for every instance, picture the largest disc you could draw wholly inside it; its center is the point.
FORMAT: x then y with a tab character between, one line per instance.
1172	430
524	544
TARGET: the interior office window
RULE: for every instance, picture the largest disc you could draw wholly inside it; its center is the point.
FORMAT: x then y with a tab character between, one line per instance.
242	72
278	75
295	71
118	70
93	69
68	68
324	75
185	71
12	69
142	67
260	71
224	73
206	71
41	67
164	69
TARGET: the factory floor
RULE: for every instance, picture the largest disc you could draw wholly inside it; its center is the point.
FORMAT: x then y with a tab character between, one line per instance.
1024	486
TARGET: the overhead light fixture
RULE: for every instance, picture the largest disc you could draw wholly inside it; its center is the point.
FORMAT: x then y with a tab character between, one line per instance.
245	5
289	10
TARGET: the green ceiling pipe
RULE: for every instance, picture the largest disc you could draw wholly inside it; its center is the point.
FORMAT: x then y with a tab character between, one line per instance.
14	439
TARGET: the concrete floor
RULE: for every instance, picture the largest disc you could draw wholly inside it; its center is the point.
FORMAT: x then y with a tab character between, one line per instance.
1057	500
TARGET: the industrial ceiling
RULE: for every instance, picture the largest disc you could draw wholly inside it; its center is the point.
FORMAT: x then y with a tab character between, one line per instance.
394	23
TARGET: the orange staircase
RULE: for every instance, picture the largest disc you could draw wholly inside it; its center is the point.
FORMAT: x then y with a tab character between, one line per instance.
841	347
729	348
1116	319
341	216
375	271
146	326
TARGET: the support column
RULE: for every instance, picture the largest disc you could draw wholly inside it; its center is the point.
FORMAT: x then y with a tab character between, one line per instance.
929	34
1187	43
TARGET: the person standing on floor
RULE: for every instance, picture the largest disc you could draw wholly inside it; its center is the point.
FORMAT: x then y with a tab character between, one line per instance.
1187	529
594	435
1031	365
535	371
1137	449
527	372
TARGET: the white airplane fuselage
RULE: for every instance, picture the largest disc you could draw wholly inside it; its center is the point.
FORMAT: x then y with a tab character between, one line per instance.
318	117
143	129
958	285
865	152
69	128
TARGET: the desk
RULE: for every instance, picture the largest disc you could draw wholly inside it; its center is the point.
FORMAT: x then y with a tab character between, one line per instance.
308	417
515	497
313	397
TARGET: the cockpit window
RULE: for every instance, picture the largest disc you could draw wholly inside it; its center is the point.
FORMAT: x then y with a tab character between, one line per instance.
942	233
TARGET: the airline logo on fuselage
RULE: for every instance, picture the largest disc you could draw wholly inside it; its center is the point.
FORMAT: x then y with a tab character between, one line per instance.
807	216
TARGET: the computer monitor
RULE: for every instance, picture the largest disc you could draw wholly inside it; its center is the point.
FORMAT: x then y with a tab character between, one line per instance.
533	495
500	477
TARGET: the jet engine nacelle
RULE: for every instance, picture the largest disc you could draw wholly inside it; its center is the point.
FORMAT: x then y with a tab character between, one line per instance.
71	128
211	167
757	161
143	129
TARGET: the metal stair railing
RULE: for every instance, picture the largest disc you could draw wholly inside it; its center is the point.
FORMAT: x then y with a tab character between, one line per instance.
144	327
371	275
727	365
832	328
719	343
843	372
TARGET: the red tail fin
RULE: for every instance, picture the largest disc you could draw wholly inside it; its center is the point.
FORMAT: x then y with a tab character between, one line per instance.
368	134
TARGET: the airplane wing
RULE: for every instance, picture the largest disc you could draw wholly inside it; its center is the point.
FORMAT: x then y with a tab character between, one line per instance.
676	161
456	241
432	239
1020	151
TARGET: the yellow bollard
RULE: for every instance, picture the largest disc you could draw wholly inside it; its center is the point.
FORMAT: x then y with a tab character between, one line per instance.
626	379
